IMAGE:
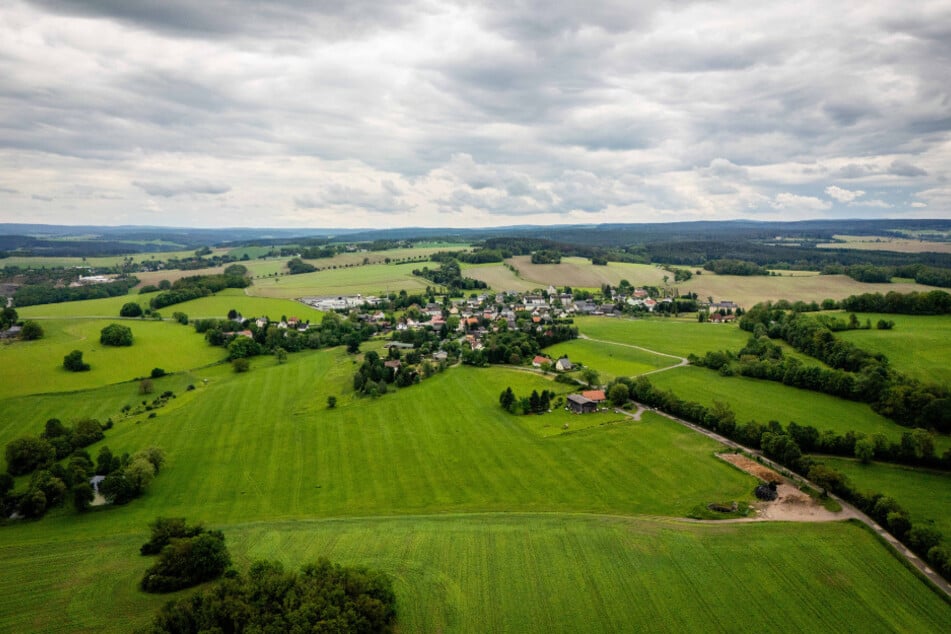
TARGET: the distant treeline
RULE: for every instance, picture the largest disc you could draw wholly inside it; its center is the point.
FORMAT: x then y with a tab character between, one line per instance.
49	294
930	303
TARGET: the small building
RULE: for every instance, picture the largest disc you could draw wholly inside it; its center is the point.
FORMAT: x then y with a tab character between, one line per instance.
563	364
581	405
392	363
539	361
596	396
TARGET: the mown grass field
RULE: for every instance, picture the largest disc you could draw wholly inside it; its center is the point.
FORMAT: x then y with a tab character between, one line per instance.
372	279
792	285
679	337
216	306
611	360
752	399
925	494
498	277
918	346
29	367
881	243
521	572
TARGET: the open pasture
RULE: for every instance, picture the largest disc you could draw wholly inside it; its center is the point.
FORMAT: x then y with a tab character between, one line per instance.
926	495
105	261
919	345
668	335
611	360
792	285
515	572
29	367
752	399
372	279
499	277
580	273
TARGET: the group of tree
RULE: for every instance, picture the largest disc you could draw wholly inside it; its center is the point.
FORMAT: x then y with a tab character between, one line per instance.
196	286
57	441
853	373
789	446
73	361
535	403
476	256
29	329
375	374
271	337
729	266
323	597
187	556
449	274
914	303
546	256
518	346
29	295
116	335
296	266
869	273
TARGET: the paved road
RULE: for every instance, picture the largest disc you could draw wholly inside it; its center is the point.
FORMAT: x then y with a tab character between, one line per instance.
853	512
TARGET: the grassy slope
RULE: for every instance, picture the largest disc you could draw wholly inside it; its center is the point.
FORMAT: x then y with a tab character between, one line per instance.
28	367
671	336
926	494
918	346
579	272
371	279
610	360
216	305
766	400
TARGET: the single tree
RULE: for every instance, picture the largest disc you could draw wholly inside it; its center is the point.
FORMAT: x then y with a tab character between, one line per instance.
31	331
331	402
74	362
130	309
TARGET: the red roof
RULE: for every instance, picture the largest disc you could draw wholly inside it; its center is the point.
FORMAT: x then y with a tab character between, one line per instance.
594	395
541	360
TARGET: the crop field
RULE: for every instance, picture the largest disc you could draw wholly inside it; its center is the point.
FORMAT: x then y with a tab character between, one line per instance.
498	277
373	279
37	366
926	495
106	261
580	273
668	335
882	243
750	290
919	346
752	399
611	360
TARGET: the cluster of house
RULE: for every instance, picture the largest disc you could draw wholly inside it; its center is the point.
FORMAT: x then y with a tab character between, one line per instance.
292	323
86	280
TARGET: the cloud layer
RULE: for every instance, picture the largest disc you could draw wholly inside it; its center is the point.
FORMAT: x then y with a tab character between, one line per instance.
428	113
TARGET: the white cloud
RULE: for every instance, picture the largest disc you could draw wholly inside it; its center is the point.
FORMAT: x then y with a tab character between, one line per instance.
843	195
794	202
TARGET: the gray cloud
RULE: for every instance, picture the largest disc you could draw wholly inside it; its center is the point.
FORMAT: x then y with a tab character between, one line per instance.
904	168
544	110
169	189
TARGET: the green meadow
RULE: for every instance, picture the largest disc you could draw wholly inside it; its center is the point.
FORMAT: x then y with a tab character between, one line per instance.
370	279
752	399
679	337
925	494
610	359
918	345
29	367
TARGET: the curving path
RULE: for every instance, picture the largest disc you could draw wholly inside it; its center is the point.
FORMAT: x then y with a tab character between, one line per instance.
851	512
682	361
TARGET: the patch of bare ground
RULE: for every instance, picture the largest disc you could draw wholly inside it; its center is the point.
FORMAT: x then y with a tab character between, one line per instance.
791	504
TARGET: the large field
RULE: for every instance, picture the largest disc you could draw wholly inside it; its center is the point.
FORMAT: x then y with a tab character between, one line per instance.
485	521
679	337
580	273
763	401
371	279
792	285
918	346
926	495
611	360
882	243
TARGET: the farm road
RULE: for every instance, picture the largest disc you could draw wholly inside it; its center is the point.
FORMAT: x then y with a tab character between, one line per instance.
849	510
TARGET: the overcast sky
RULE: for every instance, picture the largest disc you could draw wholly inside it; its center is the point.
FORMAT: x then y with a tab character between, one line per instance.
356	113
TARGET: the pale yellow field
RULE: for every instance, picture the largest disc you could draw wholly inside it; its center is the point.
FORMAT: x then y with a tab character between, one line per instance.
879	243
574	272
792	285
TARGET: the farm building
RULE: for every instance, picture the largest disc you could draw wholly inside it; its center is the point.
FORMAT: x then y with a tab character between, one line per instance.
581	405
539	361
563	364
594	395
